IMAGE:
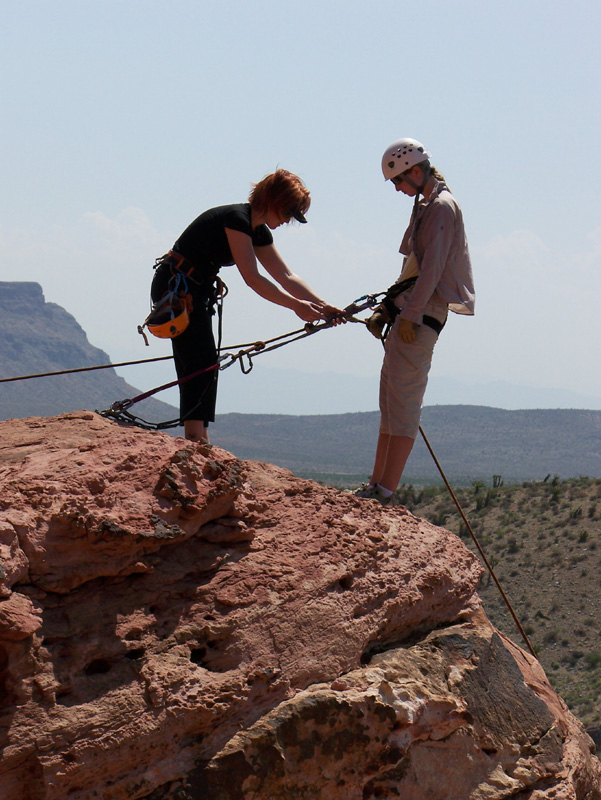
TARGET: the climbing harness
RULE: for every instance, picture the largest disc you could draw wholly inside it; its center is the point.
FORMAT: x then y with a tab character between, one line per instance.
381	321
170	315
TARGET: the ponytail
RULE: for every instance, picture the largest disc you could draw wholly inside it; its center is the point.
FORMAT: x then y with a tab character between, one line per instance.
438	175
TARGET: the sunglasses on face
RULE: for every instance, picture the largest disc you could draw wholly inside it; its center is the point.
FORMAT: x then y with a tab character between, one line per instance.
398	179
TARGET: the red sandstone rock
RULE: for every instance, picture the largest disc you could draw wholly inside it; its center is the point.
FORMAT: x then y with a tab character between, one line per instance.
177	623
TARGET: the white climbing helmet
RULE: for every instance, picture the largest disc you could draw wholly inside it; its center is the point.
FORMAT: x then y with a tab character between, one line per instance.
401	156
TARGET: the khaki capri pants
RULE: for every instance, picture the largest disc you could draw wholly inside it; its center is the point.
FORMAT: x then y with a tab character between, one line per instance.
403	381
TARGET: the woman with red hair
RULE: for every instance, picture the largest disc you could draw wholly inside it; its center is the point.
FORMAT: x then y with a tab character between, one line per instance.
238	234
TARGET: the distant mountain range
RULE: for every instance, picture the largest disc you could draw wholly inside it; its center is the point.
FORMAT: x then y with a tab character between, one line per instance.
38	337
472	442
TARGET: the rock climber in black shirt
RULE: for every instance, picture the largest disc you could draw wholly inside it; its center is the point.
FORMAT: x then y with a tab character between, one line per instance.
237	234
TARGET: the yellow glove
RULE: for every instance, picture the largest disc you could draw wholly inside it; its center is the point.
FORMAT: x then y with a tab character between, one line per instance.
407	331
377	322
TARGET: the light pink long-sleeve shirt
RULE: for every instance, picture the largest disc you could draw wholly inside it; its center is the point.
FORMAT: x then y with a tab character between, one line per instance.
445	271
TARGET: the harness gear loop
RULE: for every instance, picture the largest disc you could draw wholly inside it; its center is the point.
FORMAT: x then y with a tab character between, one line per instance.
221	290
141	331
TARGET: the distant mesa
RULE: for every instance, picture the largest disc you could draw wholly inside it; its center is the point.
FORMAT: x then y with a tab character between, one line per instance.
40	337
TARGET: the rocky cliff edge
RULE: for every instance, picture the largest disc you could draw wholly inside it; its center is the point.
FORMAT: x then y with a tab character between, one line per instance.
176	624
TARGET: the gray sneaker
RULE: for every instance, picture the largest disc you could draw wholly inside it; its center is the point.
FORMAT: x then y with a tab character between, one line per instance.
375	493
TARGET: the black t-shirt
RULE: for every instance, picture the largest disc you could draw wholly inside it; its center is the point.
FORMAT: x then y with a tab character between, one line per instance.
205	244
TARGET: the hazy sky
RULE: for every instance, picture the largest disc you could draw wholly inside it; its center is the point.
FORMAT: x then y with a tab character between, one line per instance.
122	120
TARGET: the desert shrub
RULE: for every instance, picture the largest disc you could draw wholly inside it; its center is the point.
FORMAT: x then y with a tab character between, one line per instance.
593	660
407	496
438	518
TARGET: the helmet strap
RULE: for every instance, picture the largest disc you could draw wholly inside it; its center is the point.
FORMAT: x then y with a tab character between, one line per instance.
419	188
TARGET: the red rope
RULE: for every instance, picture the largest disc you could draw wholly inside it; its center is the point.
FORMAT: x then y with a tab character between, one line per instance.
178	382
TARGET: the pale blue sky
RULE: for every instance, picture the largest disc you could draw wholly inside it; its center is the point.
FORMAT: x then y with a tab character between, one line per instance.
123	120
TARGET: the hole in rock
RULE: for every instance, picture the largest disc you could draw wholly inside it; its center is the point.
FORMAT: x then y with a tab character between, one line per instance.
365	657
198	655
133	655
210	658
97	667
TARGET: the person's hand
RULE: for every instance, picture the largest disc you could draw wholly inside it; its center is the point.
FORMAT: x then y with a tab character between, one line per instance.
307	311
377	322
332	314
407	331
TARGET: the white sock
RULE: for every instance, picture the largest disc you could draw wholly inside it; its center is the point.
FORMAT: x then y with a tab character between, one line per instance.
386	492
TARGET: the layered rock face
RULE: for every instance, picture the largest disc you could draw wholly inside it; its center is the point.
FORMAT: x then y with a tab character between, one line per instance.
176	624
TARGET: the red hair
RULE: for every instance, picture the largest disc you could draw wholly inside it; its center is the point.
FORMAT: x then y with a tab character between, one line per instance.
282	191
